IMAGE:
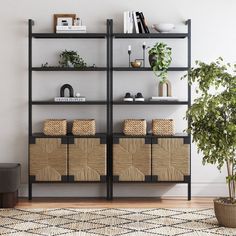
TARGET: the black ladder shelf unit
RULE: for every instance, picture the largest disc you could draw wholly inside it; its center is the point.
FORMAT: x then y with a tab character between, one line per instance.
109	36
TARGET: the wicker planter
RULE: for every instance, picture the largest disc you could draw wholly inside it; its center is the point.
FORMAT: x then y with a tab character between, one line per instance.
163	127
55	127
225	213
84	127
135	127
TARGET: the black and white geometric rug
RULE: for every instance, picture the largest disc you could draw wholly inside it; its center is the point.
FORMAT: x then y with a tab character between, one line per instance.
111	222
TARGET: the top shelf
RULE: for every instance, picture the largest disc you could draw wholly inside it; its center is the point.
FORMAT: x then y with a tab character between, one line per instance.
104	35
151	35
70	35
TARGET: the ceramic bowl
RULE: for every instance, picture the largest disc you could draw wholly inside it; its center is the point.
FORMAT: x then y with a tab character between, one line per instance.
163	27
136	64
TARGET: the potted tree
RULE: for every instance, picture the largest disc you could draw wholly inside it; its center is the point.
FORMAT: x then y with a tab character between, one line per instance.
212	119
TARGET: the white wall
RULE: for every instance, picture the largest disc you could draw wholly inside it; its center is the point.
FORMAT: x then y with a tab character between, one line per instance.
213	35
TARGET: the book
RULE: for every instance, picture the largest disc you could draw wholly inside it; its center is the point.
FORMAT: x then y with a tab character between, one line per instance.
135	22
69	99
125	22
70	32
139	23
146	30
163	99
71	28
131	22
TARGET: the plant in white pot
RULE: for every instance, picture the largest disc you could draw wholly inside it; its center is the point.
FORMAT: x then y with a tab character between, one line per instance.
212	119
160	59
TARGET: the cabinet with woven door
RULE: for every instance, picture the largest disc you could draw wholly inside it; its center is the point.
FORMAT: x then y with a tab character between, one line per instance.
48	159
131	159
170	159
87	159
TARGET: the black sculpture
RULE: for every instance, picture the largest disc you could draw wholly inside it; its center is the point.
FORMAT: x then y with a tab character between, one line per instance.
66	86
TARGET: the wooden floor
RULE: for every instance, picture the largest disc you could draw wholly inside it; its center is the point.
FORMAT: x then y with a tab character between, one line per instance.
116	203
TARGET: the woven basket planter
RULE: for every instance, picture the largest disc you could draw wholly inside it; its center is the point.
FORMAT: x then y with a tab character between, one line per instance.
225	213
135	127
163	127
84	127
55	127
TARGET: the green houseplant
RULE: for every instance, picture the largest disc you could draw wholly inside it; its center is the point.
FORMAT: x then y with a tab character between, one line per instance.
212	119
160	59
71	59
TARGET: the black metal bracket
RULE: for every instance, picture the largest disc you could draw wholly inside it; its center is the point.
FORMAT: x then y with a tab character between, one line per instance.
103	178
148	178
64	178
154	178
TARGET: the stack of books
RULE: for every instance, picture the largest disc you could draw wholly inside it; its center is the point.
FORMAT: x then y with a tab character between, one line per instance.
163	99
71	29
134	22
70	99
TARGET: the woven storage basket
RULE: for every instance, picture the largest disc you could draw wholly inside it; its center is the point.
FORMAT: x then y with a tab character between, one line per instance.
163	127
84	127
135	127
55	127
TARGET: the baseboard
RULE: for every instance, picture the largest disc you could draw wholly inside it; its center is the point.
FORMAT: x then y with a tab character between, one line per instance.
125	190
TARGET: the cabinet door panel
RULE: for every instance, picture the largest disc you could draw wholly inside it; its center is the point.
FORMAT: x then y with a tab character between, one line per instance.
170	159
87	159
48	159
132	160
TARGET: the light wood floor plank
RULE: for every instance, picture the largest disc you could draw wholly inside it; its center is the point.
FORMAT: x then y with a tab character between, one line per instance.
116	203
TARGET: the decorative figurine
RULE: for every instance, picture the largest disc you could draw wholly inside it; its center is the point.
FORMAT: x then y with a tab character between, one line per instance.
66	86
144	50
129	52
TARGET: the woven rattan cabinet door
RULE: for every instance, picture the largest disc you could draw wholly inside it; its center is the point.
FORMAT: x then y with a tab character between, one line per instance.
48	159
170	159
87	159
132	159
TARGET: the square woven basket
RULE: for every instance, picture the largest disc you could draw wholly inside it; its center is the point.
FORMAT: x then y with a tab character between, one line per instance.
135	127
55	127
163	127
84	127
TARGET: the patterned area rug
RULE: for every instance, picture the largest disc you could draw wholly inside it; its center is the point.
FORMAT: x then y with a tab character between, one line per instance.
111	222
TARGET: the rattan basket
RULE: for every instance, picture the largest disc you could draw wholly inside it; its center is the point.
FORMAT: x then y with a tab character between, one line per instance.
163	127
135	127
55	127
84	127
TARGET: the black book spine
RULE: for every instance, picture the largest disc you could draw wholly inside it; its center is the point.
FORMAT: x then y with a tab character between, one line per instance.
139	23
146	30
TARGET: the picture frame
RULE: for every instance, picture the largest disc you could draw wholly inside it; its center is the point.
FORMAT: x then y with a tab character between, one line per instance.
63	19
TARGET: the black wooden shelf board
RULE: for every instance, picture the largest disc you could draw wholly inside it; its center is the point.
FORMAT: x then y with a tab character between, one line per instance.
148	69
68	182
150	182
151	103
69	103
122	135
71	35
151	35
42	135
68	69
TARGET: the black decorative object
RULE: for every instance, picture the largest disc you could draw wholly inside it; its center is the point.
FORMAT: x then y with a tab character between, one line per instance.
129	52
144	49
66	86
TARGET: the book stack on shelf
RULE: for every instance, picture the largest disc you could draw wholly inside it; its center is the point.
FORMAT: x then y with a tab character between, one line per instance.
71	29
134	22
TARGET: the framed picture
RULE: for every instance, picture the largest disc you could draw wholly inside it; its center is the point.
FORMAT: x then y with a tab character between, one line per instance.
63	20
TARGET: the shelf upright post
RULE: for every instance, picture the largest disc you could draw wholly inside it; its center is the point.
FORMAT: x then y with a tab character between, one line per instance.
109	111
30	24
189	100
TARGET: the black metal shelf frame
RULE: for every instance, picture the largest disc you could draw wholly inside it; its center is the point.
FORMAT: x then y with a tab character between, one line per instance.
109	36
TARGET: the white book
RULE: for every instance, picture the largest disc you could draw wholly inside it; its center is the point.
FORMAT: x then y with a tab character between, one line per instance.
164	99
135	22
125	22
131	22
70	32
72	28
69	99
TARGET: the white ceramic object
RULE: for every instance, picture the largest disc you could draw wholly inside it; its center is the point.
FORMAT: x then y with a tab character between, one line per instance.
164	27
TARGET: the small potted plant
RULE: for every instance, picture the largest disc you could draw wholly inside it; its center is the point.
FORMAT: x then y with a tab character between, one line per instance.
212	119
71	59
160	59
